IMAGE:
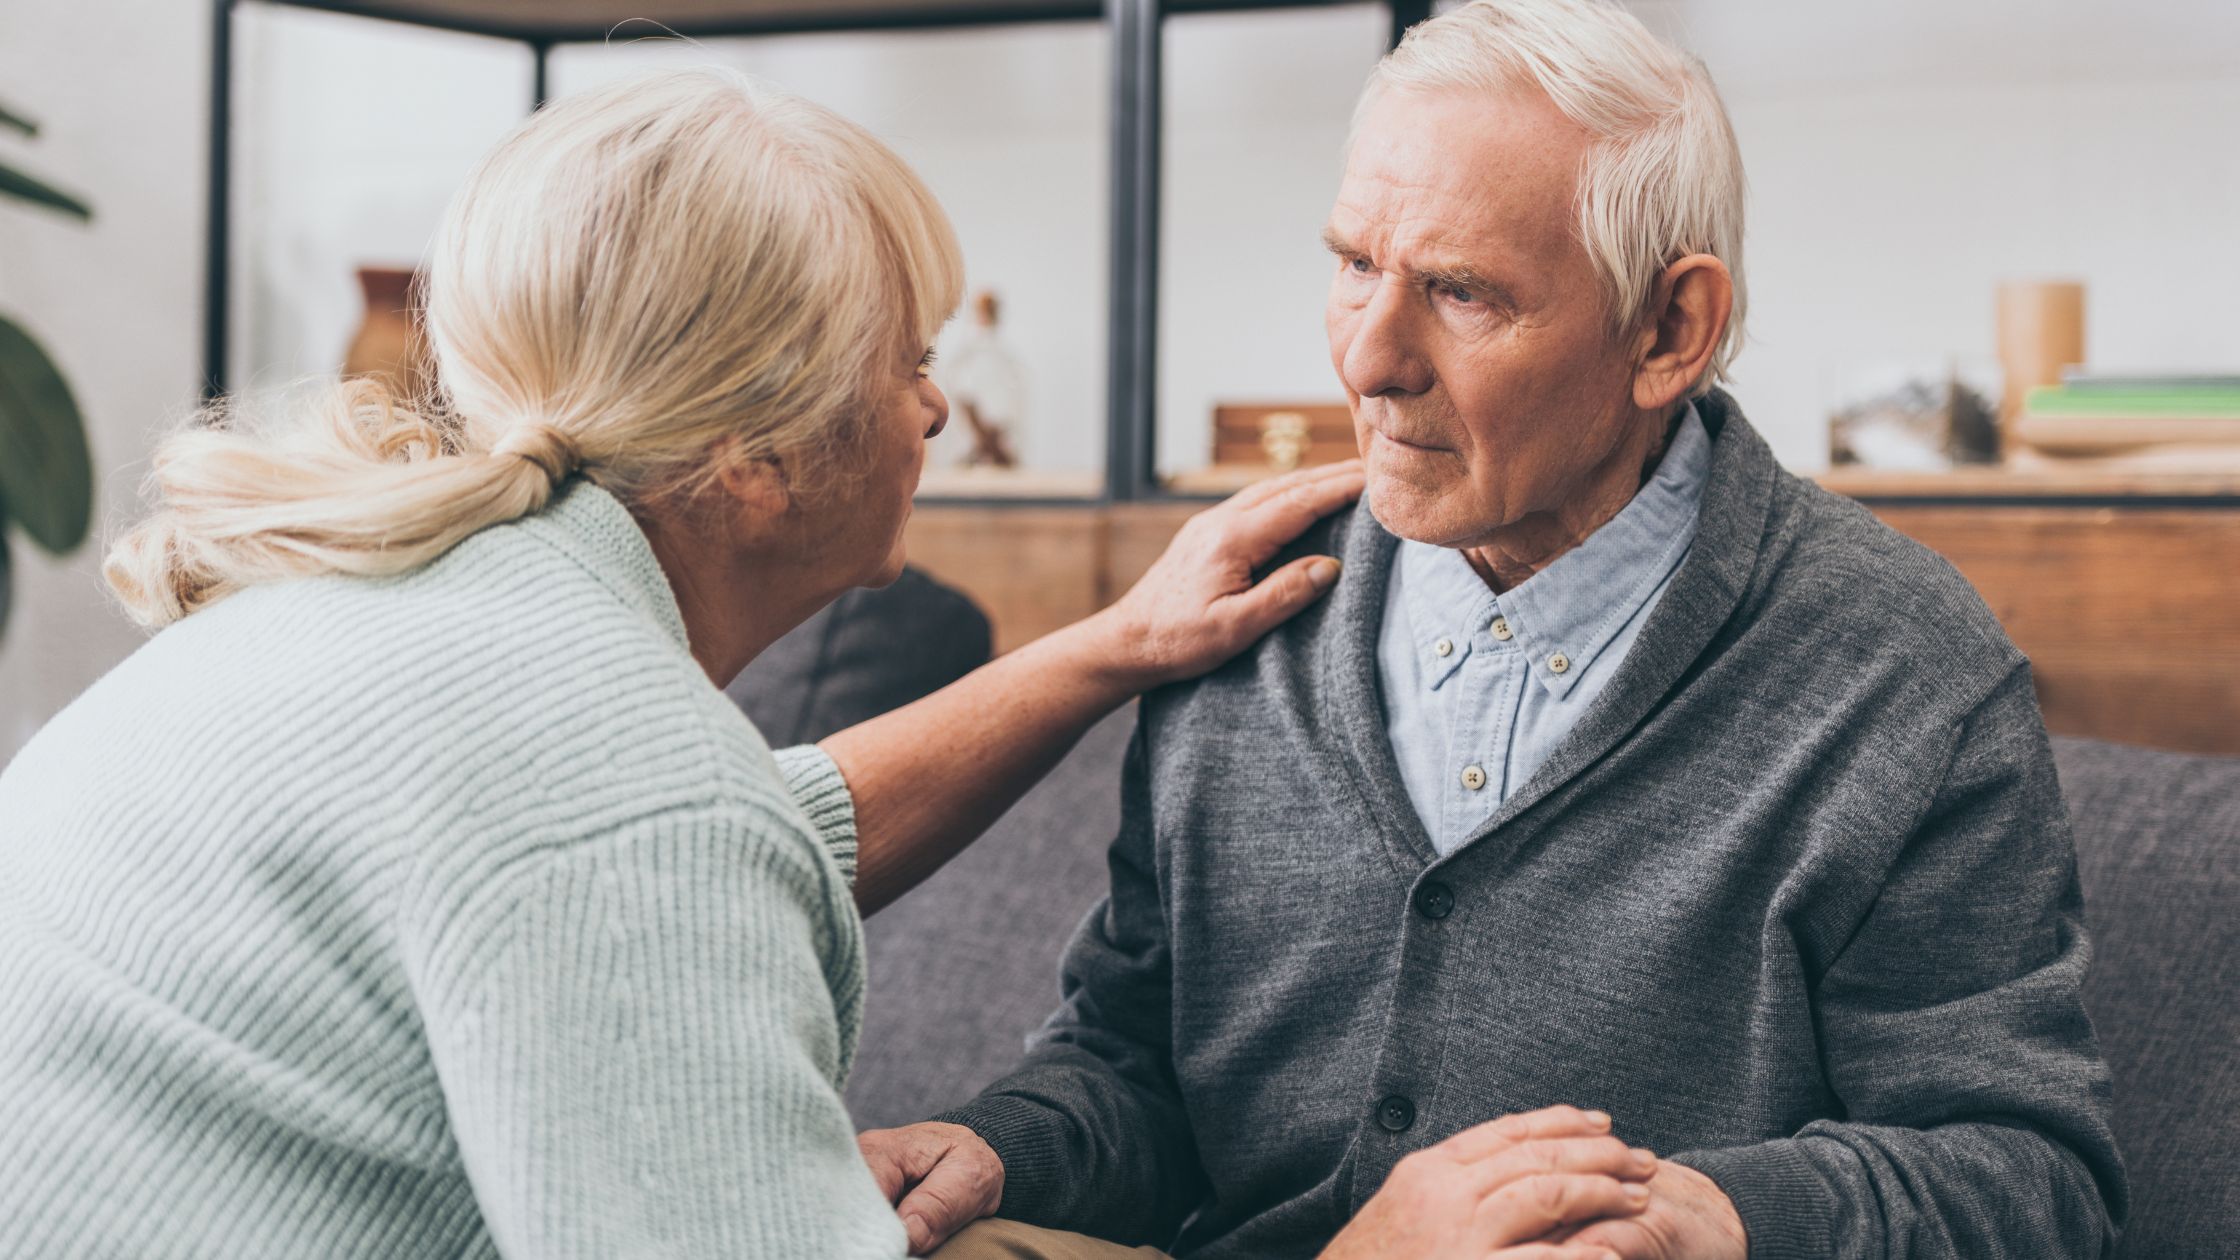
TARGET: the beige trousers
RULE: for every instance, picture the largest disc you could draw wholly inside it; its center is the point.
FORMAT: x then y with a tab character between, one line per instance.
993	1239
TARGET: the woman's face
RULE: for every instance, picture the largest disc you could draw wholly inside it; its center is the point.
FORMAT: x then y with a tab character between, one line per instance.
907	409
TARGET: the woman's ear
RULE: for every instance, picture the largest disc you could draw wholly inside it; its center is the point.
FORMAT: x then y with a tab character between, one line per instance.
755	492
1694	299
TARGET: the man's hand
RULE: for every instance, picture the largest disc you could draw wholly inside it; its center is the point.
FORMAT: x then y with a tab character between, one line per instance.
1688	1218
951	1176
1498	1189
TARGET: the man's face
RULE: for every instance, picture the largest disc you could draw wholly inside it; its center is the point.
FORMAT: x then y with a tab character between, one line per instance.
1466	320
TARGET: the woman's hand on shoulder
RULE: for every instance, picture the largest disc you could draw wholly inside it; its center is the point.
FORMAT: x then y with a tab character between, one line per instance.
1198	606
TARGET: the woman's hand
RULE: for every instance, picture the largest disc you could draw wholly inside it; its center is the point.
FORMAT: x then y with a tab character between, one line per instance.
1198	606
928	778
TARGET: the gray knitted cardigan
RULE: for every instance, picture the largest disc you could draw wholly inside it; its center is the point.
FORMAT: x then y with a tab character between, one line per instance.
1795	902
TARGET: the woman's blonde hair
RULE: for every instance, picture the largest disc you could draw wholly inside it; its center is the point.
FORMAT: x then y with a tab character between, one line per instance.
637	275
1664	177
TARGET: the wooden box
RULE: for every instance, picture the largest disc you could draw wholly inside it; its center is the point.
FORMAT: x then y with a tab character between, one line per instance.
1253	433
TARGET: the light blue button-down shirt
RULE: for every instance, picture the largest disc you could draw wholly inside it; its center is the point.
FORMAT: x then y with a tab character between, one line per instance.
1480	688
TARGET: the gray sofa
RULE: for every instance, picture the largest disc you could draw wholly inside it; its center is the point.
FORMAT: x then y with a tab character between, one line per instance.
965	966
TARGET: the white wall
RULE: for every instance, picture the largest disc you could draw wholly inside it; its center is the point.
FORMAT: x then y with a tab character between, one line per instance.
1906	156
120	86
1257	105
351	136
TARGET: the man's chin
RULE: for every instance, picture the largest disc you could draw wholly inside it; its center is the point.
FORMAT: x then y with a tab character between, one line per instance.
1421	509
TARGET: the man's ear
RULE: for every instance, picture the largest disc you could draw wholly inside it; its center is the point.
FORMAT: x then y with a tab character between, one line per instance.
1693	300
754	492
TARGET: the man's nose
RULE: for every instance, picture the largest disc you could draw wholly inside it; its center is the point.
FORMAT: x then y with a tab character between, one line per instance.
1385	355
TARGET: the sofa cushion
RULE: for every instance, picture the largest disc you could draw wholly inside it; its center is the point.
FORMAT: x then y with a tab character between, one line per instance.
863	654
966	965
2158	853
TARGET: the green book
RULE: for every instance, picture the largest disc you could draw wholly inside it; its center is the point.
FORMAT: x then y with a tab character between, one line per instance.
2065	400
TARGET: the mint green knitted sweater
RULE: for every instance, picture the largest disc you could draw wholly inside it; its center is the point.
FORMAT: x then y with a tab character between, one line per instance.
451	914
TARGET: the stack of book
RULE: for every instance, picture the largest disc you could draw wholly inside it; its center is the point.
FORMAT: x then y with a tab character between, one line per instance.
2103	415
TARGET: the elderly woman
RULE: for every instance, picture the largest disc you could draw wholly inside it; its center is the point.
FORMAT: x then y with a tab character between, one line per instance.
416	892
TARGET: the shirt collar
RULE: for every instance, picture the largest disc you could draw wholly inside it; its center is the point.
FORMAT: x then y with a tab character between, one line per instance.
1575	607
1447	602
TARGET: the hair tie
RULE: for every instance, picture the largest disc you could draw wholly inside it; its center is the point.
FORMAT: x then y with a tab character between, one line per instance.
541	444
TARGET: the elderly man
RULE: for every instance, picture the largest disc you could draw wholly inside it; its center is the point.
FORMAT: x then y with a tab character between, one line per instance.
1624	771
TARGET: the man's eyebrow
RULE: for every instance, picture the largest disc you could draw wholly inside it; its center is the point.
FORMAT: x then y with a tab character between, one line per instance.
1459	276
1447	276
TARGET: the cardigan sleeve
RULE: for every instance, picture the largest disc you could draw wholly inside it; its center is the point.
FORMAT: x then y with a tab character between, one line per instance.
640	1047
1953	1029
814	780
1091	1126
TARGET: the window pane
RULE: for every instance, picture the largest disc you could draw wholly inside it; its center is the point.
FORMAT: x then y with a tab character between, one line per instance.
351	136
1257	105
1007	125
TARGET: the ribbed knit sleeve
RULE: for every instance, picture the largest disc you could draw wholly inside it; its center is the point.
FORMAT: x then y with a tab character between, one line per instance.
814	779
639	1049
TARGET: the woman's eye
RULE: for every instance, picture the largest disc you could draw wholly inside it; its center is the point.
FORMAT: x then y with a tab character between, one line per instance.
925	362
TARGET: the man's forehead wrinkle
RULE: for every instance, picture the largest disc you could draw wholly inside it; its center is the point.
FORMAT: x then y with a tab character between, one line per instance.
1417	240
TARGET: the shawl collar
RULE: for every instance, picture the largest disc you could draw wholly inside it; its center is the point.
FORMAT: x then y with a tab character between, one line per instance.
1703	595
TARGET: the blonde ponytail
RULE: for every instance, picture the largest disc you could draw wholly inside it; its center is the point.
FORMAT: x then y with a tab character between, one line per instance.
366	487
637	274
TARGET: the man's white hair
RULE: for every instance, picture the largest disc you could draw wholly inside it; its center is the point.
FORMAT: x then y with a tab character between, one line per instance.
1664	177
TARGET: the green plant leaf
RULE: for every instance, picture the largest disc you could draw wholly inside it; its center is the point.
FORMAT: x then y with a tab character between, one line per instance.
7	582
10	118
46	473
15	183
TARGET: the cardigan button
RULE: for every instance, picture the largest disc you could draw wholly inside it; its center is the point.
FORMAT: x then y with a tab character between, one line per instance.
1435	900
1396	1113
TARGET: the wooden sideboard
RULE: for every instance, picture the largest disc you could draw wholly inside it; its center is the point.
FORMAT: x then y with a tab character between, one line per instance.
2123	591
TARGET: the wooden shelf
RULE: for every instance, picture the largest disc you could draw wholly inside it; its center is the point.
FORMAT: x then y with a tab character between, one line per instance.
2122	586
2037	481
938	484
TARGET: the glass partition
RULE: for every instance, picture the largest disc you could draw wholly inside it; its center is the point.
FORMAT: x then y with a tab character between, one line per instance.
351	136
1256	109
1007	124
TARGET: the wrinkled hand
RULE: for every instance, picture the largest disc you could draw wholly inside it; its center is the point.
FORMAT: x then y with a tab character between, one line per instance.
1688	1218
1499	1189
1198	606
940	1177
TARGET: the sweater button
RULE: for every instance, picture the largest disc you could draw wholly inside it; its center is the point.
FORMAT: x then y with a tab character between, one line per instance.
1435	900
1396	1113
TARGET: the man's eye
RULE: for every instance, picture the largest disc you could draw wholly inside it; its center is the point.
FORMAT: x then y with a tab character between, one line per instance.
1460	295
1361	265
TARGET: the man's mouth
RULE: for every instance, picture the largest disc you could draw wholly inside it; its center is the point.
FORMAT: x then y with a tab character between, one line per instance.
1402	442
